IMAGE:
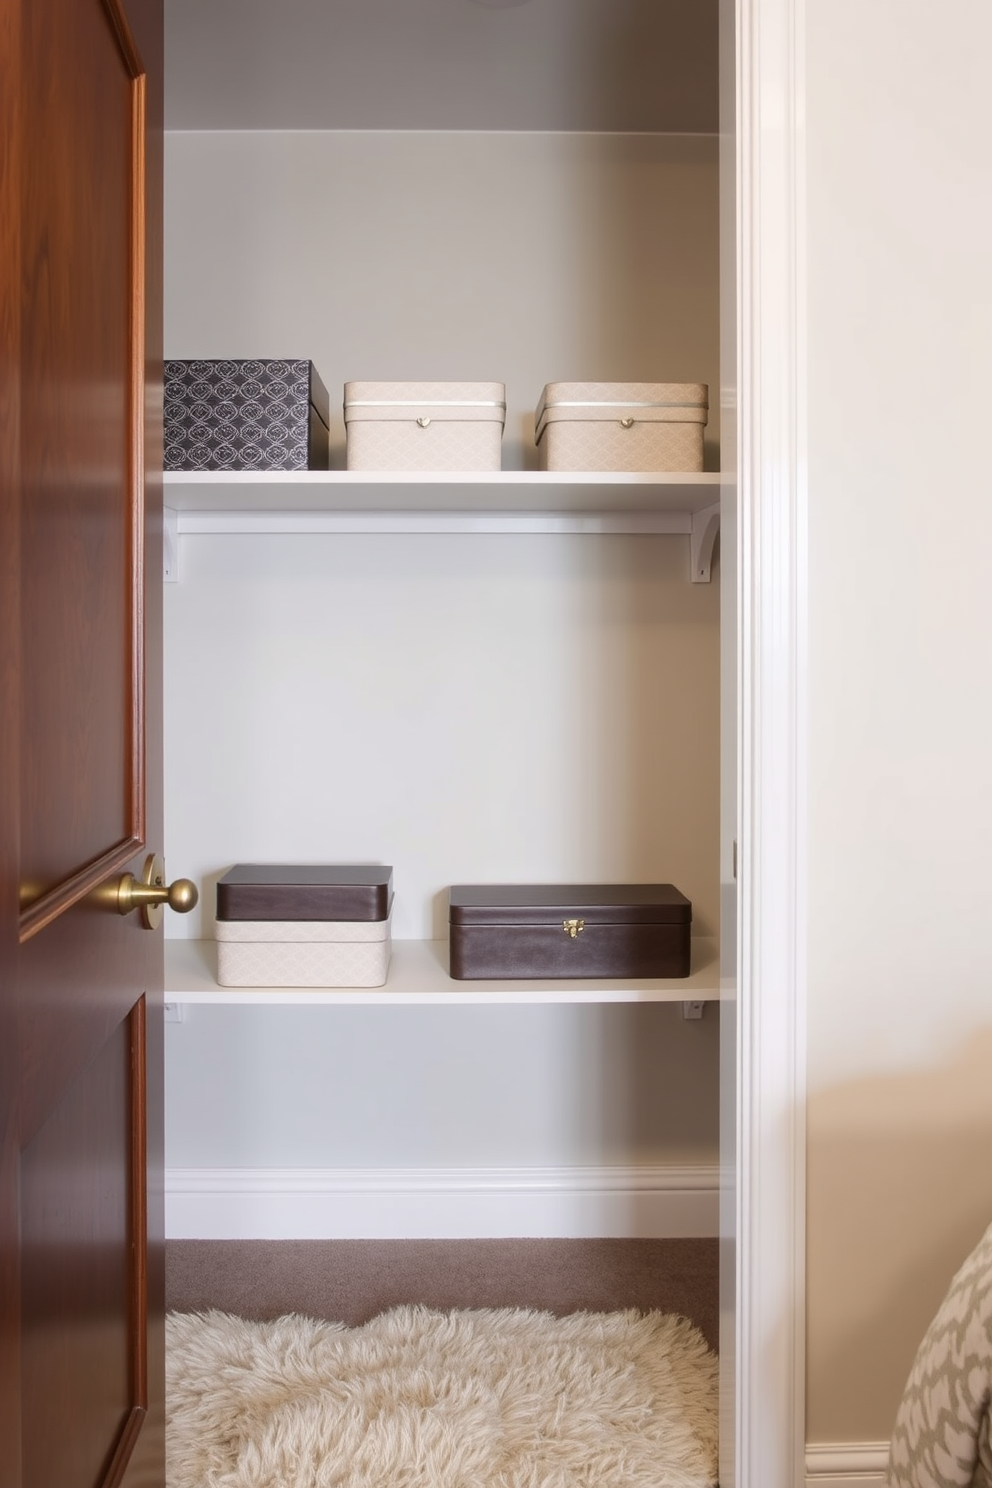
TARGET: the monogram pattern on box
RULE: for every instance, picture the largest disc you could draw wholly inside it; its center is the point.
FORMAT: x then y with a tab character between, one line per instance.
302	964
574	445
450	426
580	426
441	446
237	415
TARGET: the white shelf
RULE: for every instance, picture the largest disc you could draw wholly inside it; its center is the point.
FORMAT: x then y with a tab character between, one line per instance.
418	973
497	493
404	490
223	502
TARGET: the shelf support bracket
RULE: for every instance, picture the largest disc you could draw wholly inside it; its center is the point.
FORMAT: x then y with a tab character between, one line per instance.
170	545
705	526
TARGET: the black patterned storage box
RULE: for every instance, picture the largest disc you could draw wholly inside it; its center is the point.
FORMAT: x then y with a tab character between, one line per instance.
245	415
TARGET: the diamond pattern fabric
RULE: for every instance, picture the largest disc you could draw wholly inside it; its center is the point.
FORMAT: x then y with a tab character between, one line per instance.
596	445
622	426
449	426
303	953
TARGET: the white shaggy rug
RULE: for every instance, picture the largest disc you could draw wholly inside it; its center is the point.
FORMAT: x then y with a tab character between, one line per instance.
424	1399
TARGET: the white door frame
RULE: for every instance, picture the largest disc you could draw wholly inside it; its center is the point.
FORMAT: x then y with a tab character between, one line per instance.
767	485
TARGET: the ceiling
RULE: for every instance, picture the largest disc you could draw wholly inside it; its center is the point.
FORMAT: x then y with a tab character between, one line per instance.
612	65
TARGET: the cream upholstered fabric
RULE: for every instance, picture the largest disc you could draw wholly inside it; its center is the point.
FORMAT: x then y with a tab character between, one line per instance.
942	1432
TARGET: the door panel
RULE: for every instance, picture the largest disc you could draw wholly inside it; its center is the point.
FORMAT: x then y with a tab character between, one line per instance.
82	1232
81	489
81	1211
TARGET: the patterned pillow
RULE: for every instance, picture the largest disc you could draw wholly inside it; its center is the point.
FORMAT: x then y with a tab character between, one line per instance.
941	1437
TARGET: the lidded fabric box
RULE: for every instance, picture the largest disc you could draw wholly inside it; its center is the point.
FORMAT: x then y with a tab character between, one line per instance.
304	925
424	425
568	930
622	426
245	415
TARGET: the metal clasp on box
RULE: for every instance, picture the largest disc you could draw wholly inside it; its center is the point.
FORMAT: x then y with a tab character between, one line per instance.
573	927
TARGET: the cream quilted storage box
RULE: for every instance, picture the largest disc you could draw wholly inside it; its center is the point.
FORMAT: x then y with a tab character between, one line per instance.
281	925
622	425
424	425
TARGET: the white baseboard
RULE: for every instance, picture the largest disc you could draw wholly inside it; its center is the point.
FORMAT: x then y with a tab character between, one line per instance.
440	1203
846	1464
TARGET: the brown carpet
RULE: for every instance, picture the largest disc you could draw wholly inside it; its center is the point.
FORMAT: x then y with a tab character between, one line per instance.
351	1281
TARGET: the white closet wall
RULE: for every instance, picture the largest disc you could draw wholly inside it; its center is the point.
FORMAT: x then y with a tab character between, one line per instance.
449	1085
466	708
525	258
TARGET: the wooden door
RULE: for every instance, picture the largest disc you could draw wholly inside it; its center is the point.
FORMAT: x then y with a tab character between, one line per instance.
81	1225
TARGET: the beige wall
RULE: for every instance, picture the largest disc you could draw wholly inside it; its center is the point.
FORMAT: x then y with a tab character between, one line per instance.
900	685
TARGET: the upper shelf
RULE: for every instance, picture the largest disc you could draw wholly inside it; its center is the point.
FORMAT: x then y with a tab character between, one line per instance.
496	491
303	501
292	502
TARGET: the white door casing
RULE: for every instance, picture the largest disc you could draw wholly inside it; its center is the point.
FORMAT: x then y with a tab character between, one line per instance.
763	1446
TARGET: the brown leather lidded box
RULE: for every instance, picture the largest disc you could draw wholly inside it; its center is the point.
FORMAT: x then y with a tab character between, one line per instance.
568	930
308	891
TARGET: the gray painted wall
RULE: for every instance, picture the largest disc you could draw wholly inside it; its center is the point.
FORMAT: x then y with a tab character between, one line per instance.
502	708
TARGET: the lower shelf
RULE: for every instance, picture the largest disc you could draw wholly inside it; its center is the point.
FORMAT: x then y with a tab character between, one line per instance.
418	973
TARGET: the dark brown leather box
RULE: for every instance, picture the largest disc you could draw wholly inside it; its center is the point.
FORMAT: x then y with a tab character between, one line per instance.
568	930
308	891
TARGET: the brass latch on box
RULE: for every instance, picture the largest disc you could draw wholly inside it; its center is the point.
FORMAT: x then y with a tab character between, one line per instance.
572	927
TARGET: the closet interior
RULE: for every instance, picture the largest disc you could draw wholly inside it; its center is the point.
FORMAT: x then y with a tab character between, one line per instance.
504	679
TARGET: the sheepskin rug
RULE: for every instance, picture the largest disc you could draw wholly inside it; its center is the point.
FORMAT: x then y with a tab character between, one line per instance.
424	1399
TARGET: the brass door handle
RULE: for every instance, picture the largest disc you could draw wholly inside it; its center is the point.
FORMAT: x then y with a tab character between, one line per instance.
152	893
